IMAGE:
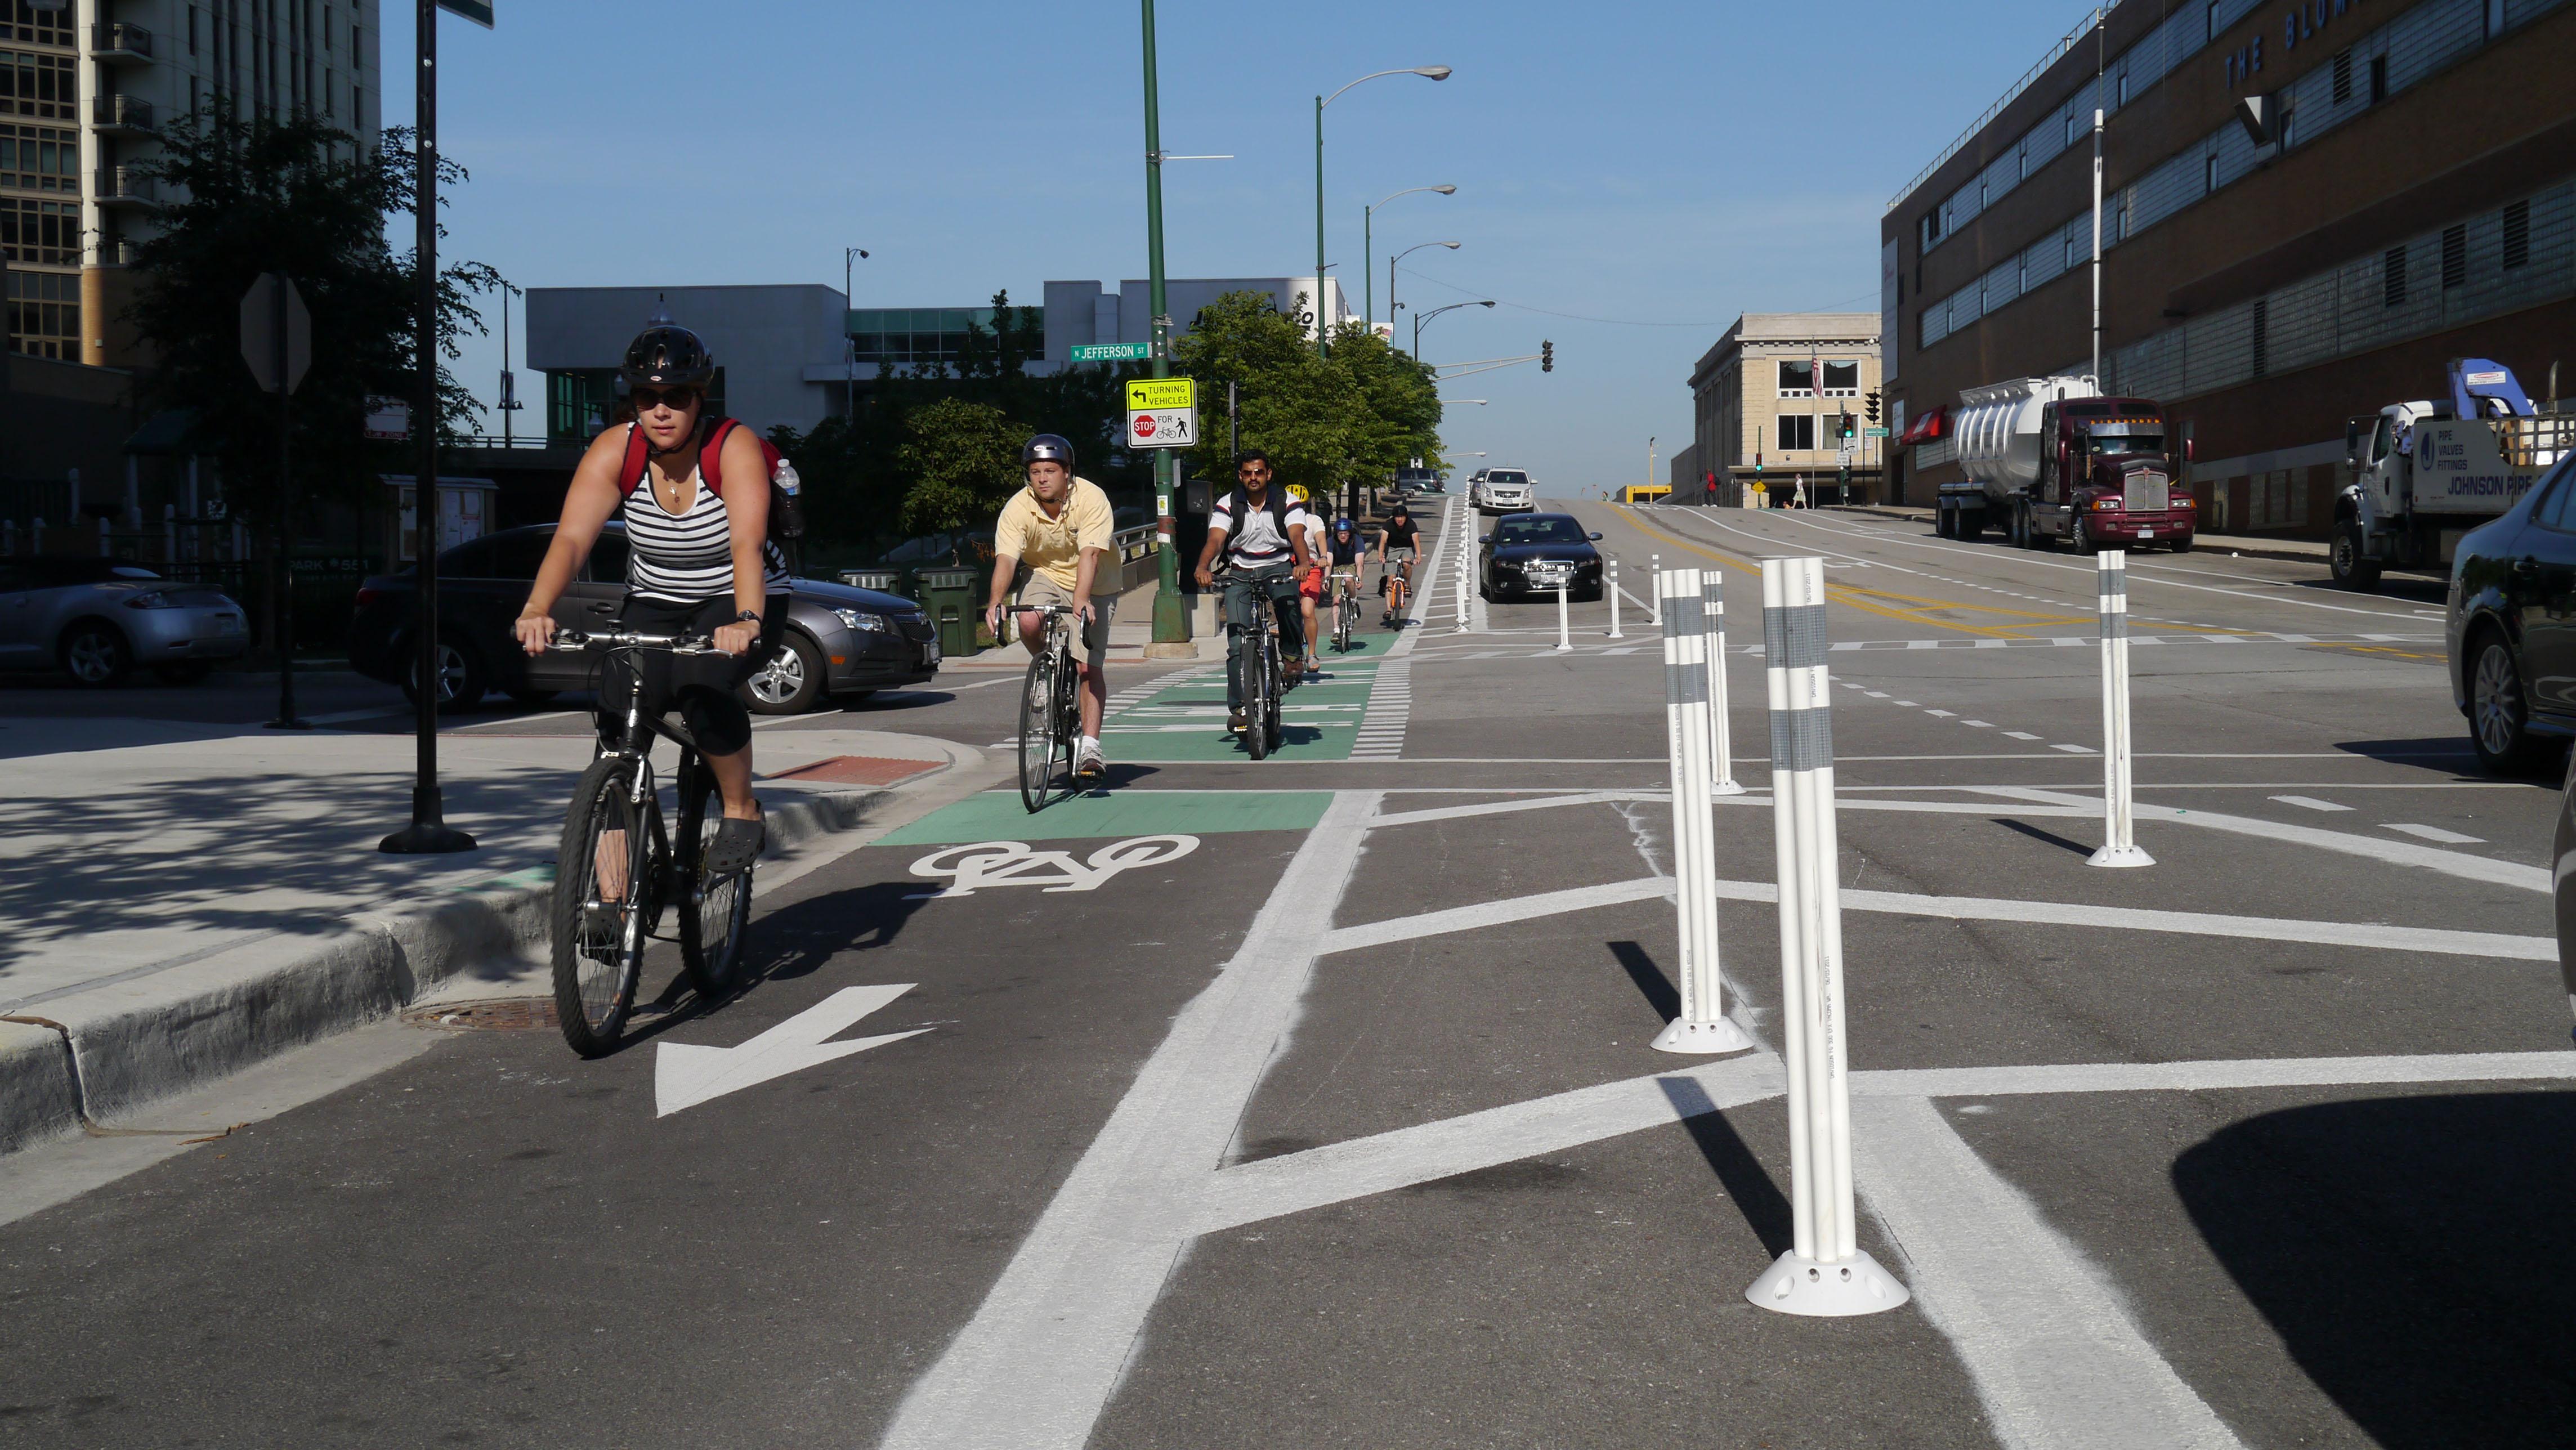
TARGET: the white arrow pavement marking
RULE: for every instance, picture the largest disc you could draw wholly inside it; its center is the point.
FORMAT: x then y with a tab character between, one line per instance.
685	1076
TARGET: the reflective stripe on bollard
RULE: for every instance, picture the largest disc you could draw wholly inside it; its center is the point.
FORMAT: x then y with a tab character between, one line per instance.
1713	606
2111	593
1824	1273
1614	600
1702	1026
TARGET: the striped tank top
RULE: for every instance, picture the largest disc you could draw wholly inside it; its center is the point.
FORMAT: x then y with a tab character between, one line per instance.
687	557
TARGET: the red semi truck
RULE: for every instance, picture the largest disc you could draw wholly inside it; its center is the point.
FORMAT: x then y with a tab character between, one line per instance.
2050	458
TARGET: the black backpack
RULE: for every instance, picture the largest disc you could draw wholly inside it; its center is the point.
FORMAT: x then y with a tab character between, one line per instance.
1238	501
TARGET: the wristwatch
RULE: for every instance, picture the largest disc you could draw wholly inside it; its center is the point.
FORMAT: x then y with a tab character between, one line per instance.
747	617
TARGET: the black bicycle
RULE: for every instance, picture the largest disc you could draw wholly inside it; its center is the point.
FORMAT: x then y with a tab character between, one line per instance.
1346	603
1050	709
616	871
1263	684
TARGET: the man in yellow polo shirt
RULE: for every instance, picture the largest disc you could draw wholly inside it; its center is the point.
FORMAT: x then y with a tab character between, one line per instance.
1060	526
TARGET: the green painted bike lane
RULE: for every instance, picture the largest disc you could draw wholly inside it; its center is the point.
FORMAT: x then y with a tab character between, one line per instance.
1185	722
998	816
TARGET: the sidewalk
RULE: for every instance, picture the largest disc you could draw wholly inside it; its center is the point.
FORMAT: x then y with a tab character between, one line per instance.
188	899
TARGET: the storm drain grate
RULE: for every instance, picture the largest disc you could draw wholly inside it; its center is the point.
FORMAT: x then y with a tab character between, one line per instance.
501	1014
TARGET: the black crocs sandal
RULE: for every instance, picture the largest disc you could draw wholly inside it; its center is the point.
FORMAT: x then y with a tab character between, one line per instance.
736	846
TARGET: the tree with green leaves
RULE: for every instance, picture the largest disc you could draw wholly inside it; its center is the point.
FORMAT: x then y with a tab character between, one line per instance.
254	194
1359	414
963	460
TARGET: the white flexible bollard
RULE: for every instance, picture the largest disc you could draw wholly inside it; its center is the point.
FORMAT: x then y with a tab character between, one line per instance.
1564	625
1702	1026
1712	589
1614	598
1824	1274
2111	593
1655	566
1466	565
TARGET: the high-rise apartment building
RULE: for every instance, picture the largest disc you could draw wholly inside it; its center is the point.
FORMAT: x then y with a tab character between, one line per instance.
86	87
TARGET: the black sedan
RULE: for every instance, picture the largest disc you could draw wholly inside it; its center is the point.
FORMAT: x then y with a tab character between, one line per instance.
1532	554
2511	625
840	641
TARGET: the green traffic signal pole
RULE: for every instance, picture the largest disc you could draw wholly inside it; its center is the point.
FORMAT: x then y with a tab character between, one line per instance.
1171	614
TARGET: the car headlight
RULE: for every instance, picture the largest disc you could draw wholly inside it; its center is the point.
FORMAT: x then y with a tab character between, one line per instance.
2186	501
861	620
2103	504
152	600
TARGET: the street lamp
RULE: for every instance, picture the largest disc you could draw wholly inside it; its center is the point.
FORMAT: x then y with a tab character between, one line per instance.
1420	318
1479	402
1391	303
1427	72
1368	256
849	343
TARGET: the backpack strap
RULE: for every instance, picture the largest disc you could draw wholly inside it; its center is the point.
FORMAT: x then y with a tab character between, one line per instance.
711	456
631	472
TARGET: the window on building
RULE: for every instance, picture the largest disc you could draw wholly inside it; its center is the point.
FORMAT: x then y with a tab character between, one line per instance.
44	314
24	22
1797	379
2378	79
2455	257
2215	24
2517	235
39	85
897	337
2209	173
2120	91
1842	379
2342	76
2495	18
1797	431
192	30
38	233
39	158
2392	278
2262	336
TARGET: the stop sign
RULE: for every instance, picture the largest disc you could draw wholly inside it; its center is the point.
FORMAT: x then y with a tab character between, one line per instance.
1144	425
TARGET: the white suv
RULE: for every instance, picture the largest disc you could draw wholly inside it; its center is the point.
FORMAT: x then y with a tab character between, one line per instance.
1506	491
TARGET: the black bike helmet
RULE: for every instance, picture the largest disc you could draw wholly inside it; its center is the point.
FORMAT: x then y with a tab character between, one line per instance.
667	355
1048	448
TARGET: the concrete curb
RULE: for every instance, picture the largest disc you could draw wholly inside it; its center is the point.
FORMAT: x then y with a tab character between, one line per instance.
87	1060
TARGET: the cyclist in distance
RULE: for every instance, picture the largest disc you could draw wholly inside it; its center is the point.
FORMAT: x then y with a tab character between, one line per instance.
1060	526
697	562
1397	544
1259	531
1341	557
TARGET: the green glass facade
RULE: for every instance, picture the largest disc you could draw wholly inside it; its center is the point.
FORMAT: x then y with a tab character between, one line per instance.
582	401
902	336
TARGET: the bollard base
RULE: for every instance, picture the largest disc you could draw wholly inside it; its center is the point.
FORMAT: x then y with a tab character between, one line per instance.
1702	1037
2119	856
1726	787
1827	1291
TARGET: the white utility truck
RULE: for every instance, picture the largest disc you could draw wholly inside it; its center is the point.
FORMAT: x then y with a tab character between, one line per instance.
2426	472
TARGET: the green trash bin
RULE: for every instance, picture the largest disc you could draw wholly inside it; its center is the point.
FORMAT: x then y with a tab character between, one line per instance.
949	595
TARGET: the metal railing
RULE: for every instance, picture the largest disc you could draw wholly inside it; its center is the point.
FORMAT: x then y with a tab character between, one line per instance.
109	109
121	183
117	37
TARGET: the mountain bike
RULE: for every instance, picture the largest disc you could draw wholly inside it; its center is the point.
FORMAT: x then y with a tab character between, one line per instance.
1050	709
1346	604
1397	588
616	871
1262	683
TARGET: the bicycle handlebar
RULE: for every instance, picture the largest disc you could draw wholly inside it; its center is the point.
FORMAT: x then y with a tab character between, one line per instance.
682	644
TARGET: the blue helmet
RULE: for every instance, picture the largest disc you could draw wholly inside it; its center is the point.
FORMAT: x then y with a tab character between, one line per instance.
1343	526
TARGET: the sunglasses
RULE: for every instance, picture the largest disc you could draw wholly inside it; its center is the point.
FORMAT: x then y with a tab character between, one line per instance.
676	399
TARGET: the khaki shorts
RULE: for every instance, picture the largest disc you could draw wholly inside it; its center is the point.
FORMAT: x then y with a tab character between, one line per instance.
1095	637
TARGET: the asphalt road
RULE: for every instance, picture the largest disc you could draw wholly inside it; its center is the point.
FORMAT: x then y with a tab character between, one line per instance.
1309	1101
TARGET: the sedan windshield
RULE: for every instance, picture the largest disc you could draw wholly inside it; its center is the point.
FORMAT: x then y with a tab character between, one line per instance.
1507	478
1537	531
2124	445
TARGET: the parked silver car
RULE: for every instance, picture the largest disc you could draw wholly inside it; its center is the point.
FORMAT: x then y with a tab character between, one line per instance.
96	619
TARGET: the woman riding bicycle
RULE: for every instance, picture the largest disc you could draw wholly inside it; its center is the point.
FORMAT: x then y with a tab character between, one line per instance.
697	563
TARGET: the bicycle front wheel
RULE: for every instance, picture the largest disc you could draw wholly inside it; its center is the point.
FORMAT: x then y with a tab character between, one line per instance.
714	910
1037	733
1260	693
603	879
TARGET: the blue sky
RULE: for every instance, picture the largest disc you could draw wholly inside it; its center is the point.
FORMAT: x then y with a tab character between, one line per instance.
1666	163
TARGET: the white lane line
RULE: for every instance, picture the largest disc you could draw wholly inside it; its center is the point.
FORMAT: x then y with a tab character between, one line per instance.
1942	714
1909	704
2076	749
2308	802
1495	808
1978	724
2214	1074
1040	1358
2434	834
2449	863
1383	1162
2056	1358
1492	913
2019	735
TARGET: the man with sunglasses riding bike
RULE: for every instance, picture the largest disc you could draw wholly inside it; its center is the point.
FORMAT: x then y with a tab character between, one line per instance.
1397	545
1261	535
699	561
1059	526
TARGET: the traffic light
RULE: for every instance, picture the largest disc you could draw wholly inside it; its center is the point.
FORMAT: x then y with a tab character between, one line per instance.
1845	422
1547	357
1870	405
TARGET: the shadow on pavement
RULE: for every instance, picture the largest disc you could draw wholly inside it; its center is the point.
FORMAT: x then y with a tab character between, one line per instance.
2050	837
1739	1171
796	941
1652	984
2413	1254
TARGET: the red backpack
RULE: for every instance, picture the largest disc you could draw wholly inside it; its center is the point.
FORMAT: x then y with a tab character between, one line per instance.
786	520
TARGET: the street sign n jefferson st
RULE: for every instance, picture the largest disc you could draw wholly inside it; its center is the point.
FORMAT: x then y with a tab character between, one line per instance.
1090	352
1162	413
277	344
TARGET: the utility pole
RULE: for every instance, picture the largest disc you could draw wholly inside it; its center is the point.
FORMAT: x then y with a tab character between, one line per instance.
2098	16
1171	616
849	344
